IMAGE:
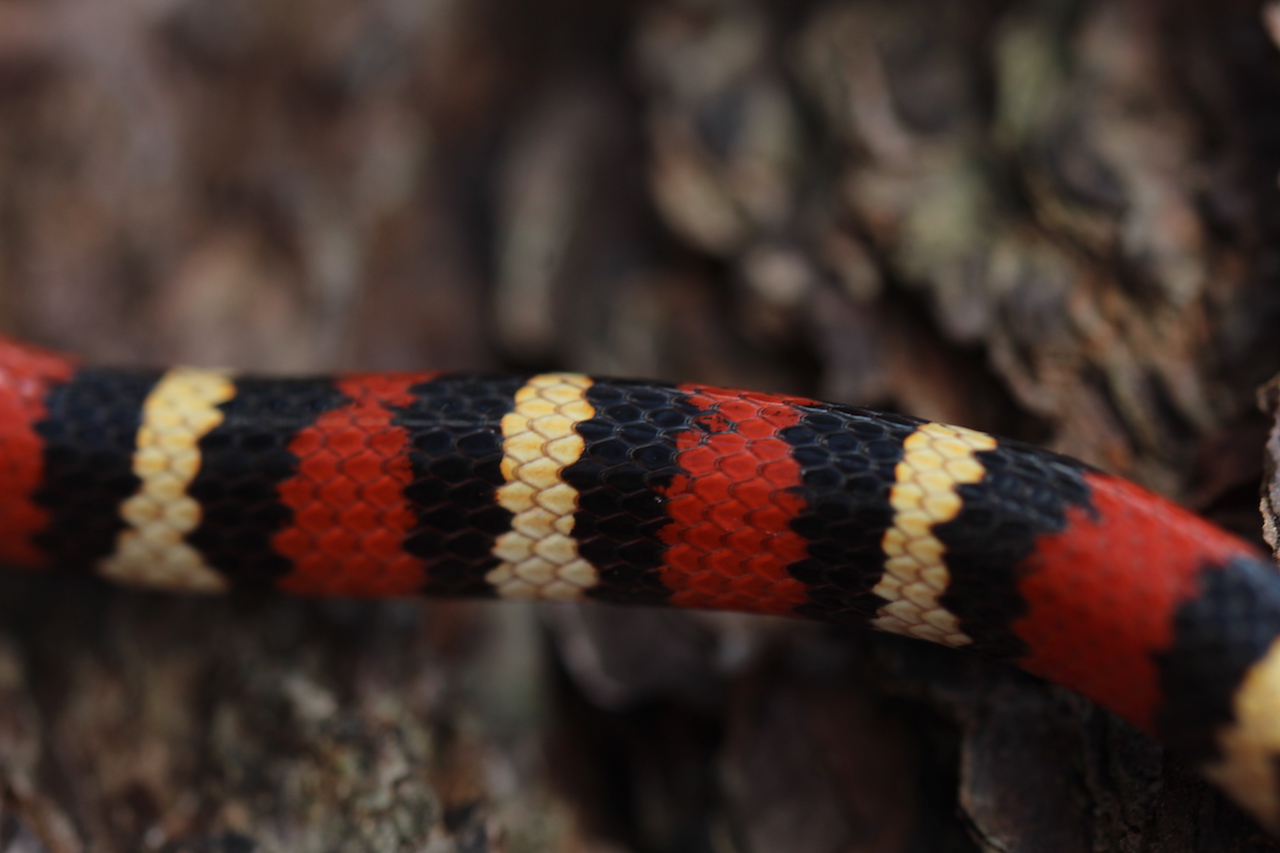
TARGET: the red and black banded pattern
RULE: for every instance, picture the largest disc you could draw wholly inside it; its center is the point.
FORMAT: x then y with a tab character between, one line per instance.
847	458
559	486
1025	494
244	462
627	464
350	518
454	446
1219	632
89	430
732	506
27	380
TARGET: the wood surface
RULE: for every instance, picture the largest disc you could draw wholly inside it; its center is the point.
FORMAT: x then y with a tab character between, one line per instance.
1056	220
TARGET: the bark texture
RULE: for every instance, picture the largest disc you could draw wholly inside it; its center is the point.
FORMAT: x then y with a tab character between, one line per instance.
1055	220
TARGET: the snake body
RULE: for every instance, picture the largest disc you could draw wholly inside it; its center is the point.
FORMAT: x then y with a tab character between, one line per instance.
563	487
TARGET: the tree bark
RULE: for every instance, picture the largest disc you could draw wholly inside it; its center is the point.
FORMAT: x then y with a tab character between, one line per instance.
1055	220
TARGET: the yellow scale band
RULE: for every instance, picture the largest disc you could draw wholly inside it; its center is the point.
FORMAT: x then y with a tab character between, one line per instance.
1249	747
539	554
152	551
936	459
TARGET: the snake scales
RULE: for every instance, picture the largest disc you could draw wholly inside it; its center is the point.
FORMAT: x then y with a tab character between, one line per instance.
564	487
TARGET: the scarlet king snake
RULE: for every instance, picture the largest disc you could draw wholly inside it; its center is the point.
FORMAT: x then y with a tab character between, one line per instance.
558	486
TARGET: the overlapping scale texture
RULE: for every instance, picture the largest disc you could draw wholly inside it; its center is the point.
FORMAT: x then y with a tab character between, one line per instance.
936	460
454	424
627	462
847	458
729	540
539	554
350	515
152	551
1125	551
243	462
89	433
560	486
1025	493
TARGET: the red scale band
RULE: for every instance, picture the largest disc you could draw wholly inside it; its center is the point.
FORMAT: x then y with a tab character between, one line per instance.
1135	554
350	516
387	485
730	538
26	375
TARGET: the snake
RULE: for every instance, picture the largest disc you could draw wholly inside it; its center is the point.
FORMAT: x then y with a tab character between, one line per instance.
564	487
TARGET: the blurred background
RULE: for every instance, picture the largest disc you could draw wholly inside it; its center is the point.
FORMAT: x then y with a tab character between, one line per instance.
1050	219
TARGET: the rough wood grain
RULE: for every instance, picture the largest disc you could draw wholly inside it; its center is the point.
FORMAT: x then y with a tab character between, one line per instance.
1051	219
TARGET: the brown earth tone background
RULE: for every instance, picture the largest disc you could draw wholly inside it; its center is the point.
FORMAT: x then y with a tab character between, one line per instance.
1052	219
